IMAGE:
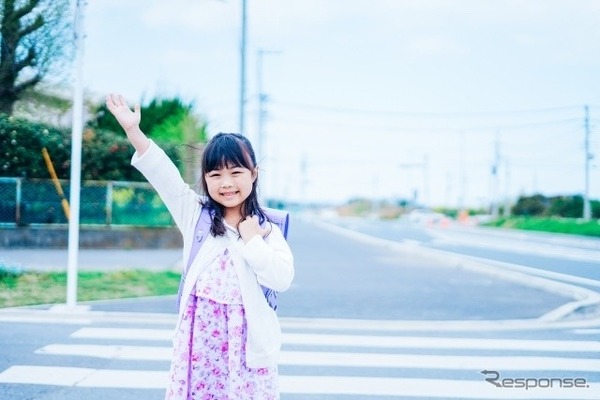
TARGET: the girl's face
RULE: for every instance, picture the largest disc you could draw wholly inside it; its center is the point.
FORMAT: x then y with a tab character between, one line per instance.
230	186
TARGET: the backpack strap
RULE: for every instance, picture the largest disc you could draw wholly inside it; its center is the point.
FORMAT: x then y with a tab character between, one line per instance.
281	218
201	232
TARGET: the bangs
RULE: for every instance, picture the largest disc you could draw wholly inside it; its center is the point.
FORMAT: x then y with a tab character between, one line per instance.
226	152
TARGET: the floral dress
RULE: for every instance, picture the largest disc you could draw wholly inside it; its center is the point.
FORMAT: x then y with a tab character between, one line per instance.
209	347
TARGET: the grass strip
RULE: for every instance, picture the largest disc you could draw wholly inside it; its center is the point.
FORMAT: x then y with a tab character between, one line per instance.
31	288
554	225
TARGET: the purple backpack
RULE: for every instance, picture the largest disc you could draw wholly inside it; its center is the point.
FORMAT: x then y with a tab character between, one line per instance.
281	218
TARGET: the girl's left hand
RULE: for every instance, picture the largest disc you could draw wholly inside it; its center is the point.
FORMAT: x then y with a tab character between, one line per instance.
250	227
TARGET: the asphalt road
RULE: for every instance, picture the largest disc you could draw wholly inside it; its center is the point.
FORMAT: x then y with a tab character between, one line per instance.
363	320
340	277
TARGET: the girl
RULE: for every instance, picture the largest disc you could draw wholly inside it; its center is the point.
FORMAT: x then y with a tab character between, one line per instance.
227	337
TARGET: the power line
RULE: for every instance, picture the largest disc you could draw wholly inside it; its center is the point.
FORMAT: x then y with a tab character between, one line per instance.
426	129
422	113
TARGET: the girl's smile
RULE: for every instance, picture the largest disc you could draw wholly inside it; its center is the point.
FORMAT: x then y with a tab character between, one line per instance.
230	186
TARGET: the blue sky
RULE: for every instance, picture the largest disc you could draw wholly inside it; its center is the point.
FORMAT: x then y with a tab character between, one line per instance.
379	98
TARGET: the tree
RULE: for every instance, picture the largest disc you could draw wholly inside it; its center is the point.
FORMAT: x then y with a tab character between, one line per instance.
21	142
35	40
566	206
534	205
165	120
170	122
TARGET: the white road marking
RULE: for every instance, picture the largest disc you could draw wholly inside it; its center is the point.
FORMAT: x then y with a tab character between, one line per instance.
440	388
349	359
475	363
87	377
329	385
364	341
168	321
587	331
371	341
124	333
145	353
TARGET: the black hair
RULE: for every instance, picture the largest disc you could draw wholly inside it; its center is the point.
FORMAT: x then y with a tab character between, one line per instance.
222	151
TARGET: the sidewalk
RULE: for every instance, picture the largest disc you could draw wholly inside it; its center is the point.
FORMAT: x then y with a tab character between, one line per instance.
92	259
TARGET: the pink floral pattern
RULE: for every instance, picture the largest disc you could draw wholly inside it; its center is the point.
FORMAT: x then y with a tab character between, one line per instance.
220	282
209	354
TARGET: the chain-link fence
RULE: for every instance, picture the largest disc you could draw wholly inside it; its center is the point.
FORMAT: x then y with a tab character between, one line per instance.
37	201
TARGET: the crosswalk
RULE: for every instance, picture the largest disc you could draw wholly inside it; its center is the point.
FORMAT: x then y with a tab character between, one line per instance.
339	359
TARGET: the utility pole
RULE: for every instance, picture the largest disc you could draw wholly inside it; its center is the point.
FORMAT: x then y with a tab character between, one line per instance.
506	211
426	180
462	173
587	211
262	100
242	106
495	180
75	179
304	181
423	166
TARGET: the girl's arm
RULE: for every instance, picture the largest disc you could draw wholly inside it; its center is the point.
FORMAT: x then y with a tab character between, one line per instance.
154	164
129	121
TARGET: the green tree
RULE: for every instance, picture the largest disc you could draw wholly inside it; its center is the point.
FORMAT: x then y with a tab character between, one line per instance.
566	206
35	40
165	120
21	145
170	122
530	205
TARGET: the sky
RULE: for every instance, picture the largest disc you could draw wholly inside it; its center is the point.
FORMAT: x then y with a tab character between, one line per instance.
377	99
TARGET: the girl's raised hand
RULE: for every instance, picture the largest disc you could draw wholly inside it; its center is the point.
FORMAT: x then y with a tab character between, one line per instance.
250	227
129	121
117	105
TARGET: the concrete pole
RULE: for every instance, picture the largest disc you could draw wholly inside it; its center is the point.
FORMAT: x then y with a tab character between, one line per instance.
587	209
242	106
75	180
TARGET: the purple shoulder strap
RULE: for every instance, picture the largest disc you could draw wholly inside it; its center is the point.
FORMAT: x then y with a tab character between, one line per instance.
281	218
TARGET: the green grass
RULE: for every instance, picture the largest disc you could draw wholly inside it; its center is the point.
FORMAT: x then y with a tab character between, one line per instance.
555	225
30	288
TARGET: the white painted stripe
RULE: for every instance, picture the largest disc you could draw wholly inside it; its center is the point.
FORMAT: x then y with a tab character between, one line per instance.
146	353
27	318
39	375
87	377
23	314
371	341
382	325
328	385
365	341
295	323
416	388
362	360
587	331
124	334
477	363
126	379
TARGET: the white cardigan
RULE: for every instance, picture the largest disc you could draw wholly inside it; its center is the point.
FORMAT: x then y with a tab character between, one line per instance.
267	261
